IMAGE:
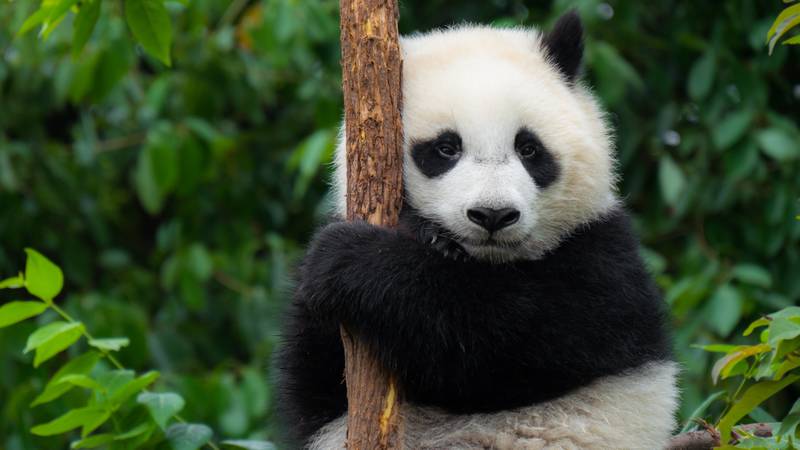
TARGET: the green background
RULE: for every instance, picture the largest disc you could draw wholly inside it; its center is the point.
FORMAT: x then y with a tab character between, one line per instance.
177	199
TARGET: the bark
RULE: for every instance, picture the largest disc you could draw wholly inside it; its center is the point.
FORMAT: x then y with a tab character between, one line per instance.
709	438
371	71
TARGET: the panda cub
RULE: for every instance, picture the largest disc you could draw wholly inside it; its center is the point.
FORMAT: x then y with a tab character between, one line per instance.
510	303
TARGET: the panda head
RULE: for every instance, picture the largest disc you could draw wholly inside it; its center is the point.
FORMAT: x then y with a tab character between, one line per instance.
505	150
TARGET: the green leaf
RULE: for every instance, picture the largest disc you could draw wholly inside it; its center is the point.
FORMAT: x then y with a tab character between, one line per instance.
752	274
162	406
751	398
671	180
110	344
85	22
132	388
34	20
724	310
81	380
13	282
786	366
785	14
757	324
186	436
72	419
112	64
723	367
150	23
791	421
761	415
786	20
731	128
777	144
42	278
93	441
138	430
113	381
58	11
54	388
52	338
783	329
716	348
791	312
14	312
701	76
156	170
697	413
249	444
92	424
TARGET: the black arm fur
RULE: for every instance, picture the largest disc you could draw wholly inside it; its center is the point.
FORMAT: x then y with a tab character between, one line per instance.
465	335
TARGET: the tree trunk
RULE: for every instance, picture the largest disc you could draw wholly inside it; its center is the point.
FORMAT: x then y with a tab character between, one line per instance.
371	71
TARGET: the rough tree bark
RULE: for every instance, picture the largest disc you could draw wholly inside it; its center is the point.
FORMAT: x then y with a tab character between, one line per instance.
371	77
709	438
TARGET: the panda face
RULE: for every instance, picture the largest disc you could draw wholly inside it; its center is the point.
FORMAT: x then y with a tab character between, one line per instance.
491	193
504	150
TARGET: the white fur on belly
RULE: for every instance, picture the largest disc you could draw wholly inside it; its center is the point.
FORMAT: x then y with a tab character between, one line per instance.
630	411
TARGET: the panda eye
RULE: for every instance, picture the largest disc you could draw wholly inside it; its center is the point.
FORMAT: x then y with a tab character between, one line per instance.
448	150
528	150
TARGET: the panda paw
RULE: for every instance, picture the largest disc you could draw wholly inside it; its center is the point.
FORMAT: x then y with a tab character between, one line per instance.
432	235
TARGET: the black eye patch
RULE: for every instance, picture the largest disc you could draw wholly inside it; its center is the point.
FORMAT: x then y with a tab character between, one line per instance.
436	156
537	160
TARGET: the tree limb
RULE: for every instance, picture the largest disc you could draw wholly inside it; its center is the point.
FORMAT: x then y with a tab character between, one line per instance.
371	71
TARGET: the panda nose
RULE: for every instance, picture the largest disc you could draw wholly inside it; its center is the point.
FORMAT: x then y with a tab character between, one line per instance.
493	219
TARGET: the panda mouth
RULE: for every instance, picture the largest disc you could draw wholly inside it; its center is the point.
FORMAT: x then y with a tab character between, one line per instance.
494	243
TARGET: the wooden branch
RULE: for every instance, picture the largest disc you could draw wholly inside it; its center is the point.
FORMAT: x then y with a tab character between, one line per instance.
709	438
371	77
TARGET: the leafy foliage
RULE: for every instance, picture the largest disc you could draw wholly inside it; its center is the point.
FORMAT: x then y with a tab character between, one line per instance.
109	408
765	369
788	19
177	198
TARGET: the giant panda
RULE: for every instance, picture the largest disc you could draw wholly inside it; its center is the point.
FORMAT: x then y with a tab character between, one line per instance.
510	303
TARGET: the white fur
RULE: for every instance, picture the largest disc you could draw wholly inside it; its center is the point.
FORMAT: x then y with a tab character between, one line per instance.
486	84
632	411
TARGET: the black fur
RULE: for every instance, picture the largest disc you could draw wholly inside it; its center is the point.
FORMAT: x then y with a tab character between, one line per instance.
430	161
541	166
465	335
564	45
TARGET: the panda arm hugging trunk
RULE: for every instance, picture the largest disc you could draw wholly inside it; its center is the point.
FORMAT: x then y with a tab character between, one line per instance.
511	303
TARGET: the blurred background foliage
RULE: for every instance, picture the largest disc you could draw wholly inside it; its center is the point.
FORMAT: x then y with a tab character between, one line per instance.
177	199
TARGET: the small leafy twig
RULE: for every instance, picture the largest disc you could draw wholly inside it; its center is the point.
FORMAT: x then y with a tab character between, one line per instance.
112	391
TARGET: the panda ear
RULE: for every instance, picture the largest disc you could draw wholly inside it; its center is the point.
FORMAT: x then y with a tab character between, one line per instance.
564	44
